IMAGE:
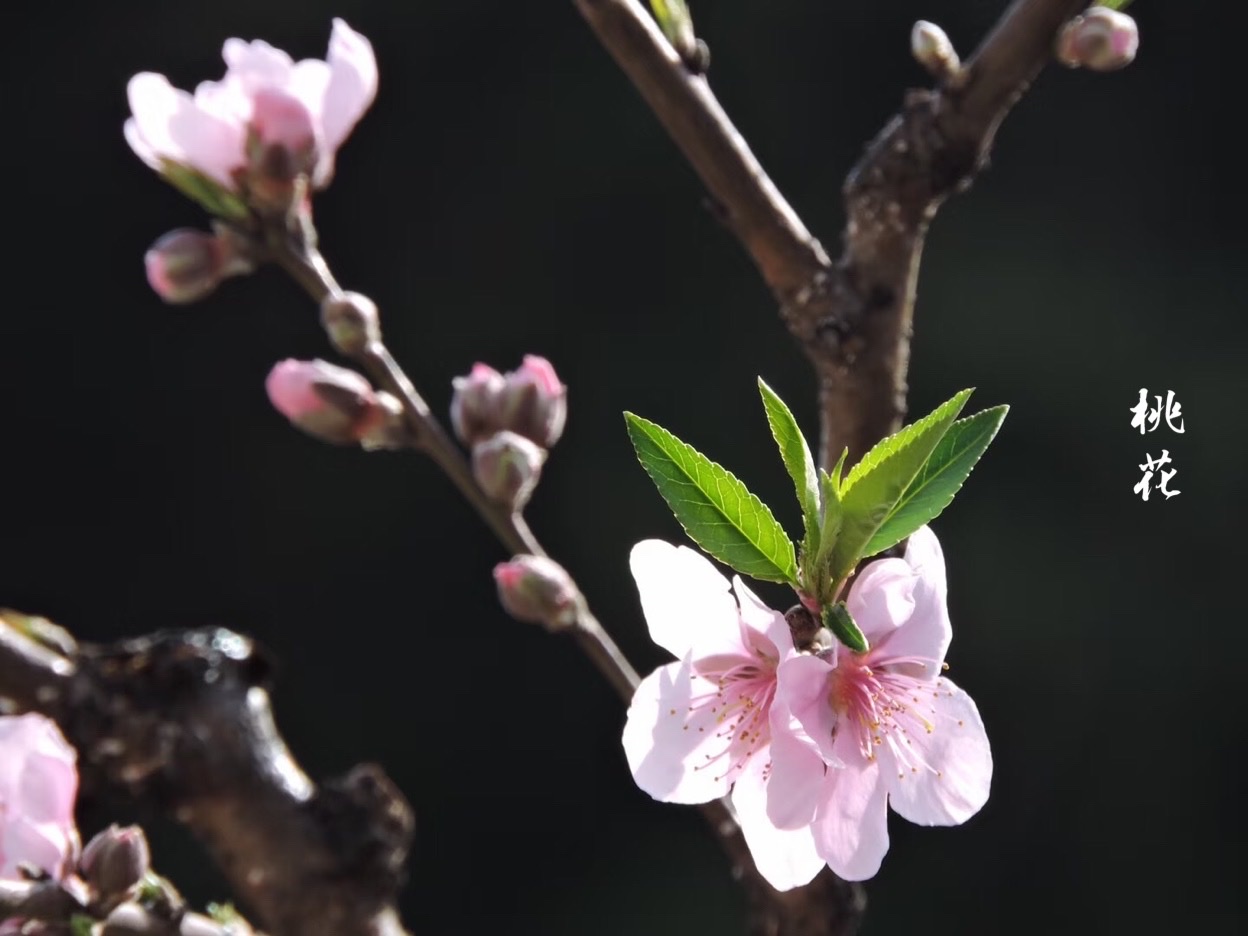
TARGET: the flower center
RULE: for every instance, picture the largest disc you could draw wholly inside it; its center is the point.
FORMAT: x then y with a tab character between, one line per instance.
739	707
884	709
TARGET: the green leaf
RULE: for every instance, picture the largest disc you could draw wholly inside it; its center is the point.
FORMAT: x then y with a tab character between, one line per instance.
875	485
840	622
206	191
1115	4
798	461
717	511
941	477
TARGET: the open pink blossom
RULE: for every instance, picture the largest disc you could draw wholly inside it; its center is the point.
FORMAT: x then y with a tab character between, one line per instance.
700	726
880	727
38	784
306	107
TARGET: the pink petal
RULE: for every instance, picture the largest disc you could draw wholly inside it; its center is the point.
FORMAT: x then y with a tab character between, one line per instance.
685	600
851	828
765	622
924	639
168	123
670	750
949	777
882	598
785	858
352	84
797	772
802	684
256	64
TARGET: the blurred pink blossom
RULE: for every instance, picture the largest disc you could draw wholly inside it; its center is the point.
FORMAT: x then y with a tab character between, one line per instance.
880	727
38	784
307	108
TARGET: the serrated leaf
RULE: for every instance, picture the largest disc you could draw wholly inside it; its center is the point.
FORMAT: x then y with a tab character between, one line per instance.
797	460
198	187
717	511
840	622
875	484
941	477
839	467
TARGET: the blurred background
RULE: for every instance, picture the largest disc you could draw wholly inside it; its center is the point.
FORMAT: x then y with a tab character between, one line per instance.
509	193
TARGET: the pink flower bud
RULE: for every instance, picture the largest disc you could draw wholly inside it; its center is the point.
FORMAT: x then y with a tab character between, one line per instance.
529	401
507	467
534	403
38	784
186	264
1100	39
115	861
474	404
537	590
351	321
331	403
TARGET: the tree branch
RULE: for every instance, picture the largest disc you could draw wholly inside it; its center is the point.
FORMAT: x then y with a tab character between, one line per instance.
181	720
853	318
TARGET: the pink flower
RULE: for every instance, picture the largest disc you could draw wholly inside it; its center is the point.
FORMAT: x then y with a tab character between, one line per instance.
38	783
700	726
326	401
306	108
880	727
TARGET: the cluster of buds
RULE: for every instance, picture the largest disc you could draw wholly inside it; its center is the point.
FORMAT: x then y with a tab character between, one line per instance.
1100	39
335	405
509	421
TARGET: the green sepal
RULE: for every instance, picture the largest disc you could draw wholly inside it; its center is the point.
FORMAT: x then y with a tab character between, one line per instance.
840	622
208	192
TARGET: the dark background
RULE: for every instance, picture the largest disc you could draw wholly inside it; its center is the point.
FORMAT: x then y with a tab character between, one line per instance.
508	194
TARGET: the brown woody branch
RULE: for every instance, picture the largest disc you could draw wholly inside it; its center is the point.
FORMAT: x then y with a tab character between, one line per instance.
853	317
181	721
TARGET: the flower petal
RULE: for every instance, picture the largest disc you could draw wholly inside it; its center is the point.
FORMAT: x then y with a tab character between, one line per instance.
685	600
153	101
168	123
256	64
672	751
802	687
923	640
882	598
763	621
851	828
949	779
785	858
352	84
797	772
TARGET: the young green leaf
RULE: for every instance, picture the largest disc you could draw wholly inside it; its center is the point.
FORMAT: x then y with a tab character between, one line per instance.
717	511
797	459
941	477
840	622
875	485
208	192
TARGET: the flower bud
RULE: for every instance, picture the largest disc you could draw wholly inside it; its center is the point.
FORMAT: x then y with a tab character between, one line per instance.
534	403
115	861
331	403
351	321
281	147
933	49
474	404
537	590
1100	39
186	265
507	467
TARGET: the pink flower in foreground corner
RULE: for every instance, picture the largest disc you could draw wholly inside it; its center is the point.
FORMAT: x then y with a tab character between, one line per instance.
883	726
702	725
38	784
265	100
